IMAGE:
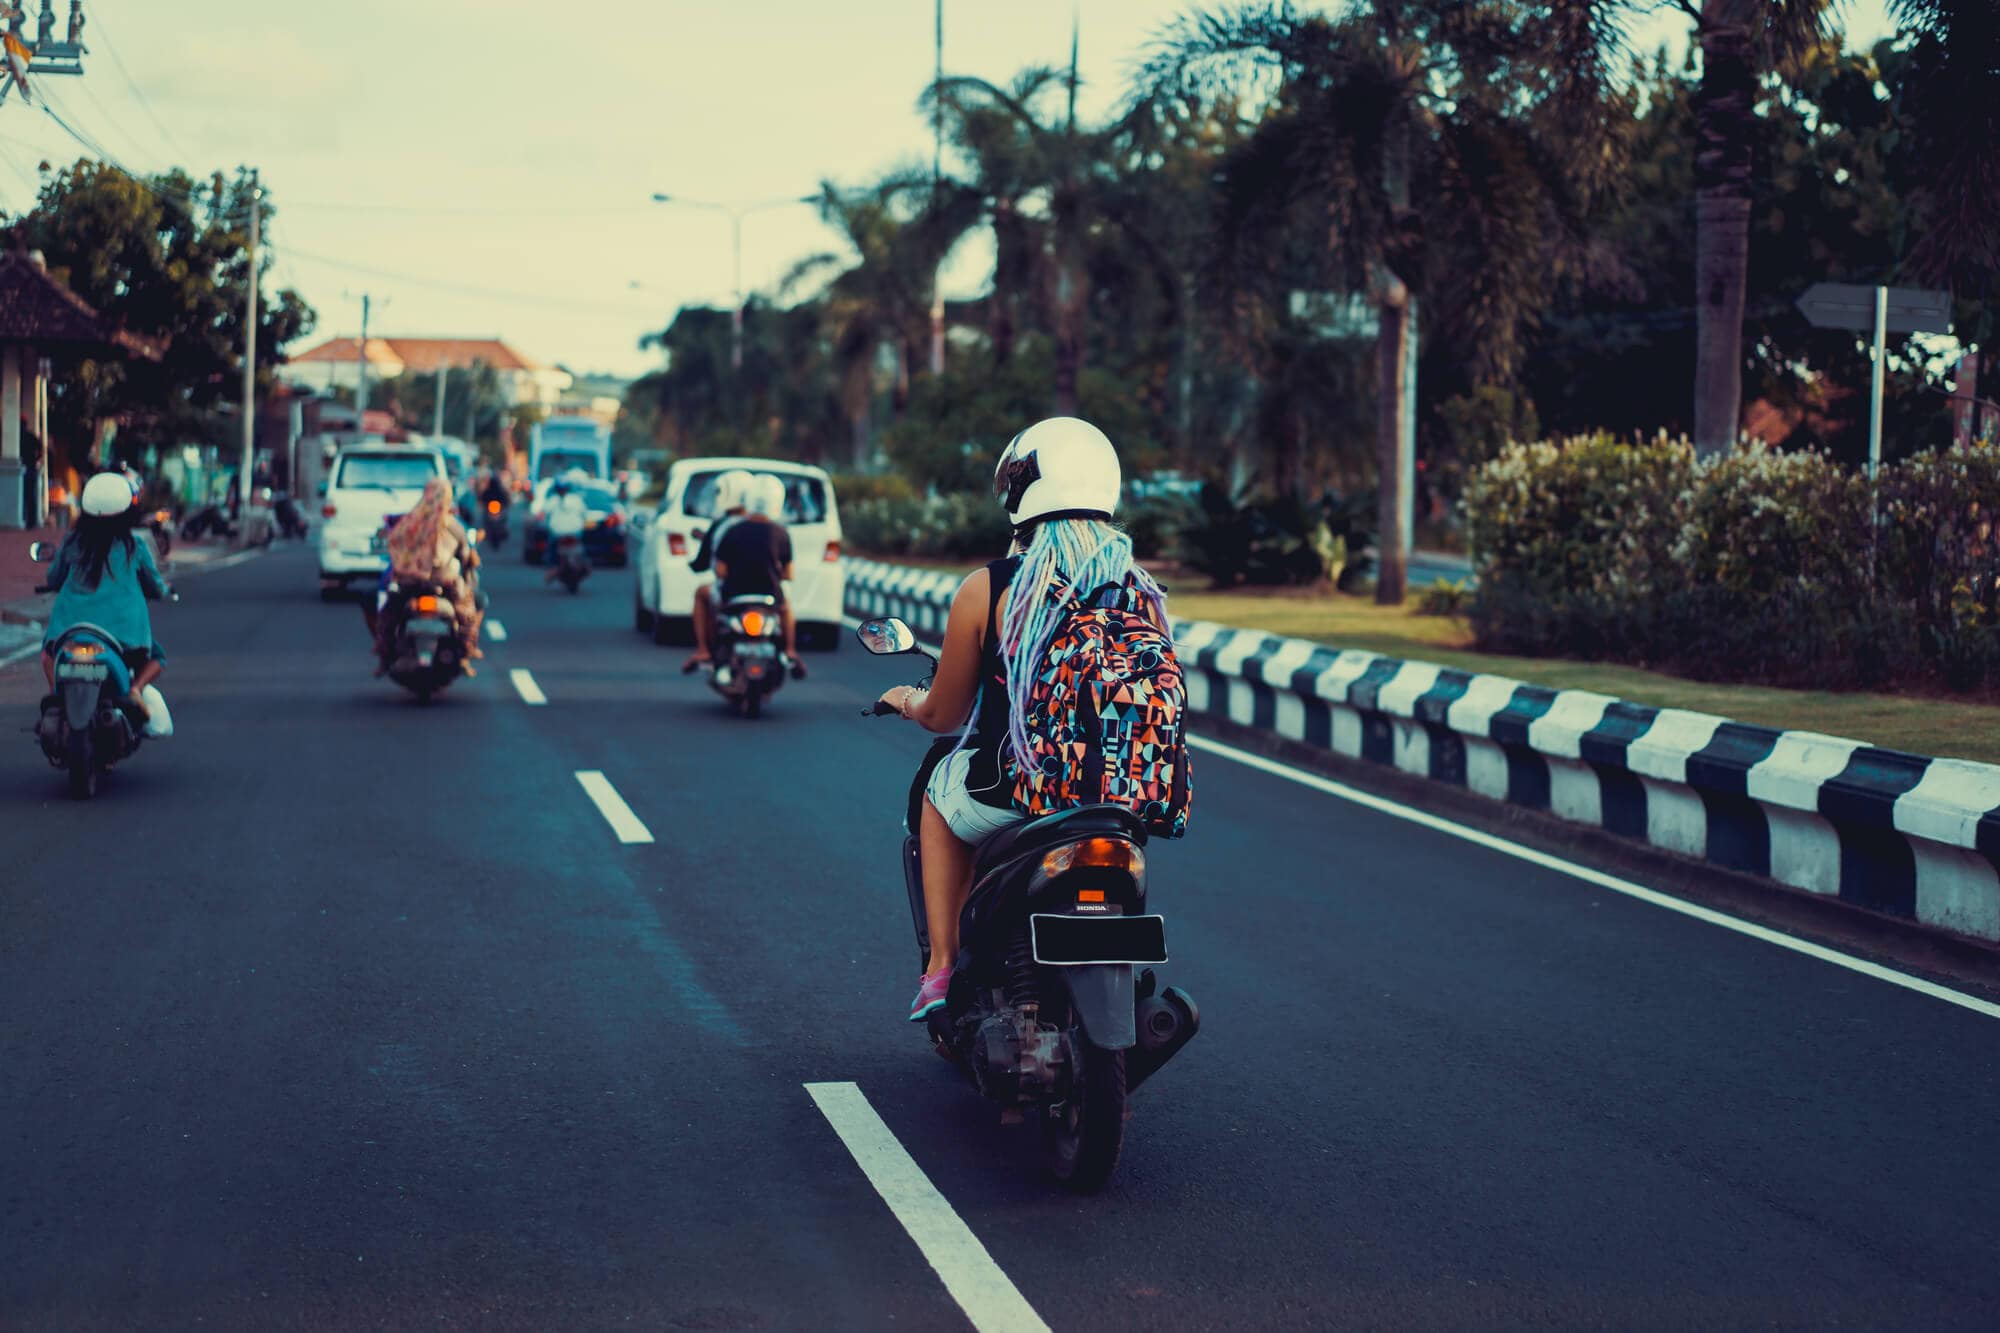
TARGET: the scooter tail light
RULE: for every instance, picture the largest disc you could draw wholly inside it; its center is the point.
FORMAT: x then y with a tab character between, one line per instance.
427	605
492	506
753	623
1095	854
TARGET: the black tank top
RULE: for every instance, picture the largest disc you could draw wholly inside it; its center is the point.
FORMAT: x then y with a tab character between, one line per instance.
990	714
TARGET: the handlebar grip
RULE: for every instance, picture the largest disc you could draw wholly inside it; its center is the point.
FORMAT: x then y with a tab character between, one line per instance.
881	709
43	587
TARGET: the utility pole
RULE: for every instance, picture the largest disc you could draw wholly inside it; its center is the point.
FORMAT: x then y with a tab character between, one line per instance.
361	370
250	361
444	377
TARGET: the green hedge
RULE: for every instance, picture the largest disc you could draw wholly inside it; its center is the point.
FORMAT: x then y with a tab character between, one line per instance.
1759	566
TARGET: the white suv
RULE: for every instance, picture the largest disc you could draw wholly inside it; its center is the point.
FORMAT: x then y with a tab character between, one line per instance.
366	484
663	593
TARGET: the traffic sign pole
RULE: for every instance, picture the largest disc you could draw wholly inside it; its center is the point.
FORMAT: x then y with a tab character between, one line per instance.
1875	398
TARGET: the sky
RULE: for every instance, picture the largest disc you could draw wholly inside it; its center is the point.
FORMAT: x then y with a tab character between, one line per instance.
486	167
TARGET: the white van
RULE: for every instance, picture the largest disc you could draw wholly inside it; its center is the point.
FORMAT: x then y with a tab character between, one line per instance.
663	593
364	486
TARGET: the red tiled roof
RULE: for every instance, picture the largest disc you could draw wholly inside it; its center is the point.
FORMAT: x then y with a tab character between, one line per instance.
421	356
342	350
425	355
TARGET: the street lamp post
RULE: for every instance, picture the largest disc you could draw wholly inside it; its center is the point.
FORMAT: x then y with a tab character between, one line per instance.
736	213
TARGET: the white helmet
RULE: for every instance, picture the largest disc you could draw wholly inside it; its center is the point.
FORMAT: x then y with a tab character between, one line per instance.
1063	467
767	496
732	490
106	494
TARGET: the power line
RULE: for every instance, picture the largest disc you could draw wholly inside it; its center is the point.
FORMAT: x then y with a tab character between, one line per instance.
138	93
466	289
456	210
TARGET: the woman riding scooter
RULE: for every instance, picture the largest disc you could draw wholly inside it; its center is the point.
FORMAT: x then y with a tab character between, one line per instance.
103	576
1059	481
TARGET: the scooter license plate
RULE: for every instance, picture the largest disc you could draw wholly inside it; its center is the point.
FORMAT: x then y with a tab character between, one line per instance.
756	648
81	671
378	544
1077	941
427	627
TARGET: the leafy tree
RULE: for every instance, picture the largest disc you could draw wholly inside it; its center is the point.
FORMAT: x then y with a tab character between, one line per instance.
167	261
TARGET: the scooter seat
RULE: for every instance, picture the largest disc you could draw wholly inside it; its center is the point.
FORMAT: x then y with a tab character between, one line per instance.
1036	836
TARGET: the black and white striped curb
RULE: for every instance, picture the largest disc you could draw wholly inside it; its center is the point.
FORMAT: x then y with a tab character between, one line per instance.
1897	833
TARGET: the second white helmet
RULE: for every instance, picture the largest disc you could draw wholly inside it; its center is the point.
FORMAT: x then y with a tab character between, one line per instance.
732	490
767	495
106	494
1063	467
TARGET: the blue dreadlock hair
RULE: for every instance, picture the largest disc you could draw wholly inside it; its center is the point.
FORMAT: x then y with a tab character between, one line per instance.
1066	557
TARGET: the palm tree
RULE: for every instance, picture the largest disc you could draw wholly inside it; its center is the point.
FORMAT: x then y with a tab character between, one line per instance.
1740	40
1956	93
1414	145
879	296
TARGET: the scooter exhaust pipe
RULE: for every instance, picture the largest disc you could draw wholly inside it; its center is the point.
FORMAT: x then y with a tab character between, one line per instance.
1166	1022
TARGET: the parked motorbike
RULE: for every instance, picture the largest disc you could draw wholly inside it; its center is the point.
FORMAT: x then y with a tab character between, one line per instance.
1045	1012
420	634
88	723
160	523
291	518
749	653
209	519
572	564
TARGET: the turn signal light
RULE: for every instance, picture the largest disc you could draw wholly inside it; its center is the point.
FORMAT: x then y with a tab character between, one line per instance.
1097	854
676	544
427	605
832	552
82	652
753	623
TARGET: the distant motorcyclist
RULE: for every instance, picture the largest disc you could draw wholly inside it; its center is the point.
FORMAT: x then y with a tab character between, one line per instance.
103	576
755	557
428	545
732	496
566	516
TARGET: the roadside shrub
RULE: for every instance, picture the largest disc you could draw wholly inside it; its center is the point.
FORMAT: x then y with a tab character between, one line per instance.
1446	597
959	526
1760	565
1571	539
1283	541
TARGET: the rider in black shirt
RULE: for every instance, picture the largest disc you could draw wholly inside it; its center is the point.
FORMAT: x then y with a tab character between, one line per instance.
754	558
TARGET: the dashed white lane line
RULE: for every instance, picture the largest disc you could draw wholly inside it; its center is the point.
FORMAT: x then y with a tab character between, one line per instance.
496	631
990	1300
1600	879
612	806
524	685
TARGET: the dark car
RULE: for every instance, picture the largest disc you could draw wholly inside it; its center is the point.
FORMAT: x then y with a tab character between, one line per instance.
606	526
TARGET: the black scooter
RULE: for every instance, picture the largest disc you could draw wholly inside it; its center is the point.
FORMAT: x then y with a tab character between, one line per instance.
749	663
420	631
1053	1006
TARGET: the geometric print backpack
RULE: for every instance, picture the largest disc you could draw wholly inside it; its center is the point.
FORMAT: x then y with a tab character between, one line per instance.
1107	716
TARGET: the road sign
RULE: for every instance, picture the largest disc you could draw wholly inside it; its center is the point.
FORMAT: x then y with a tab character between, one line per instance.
1841	305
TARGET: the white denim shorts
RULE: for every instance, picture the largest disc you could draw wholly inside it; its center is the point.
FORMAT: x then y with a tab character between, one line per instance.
971	820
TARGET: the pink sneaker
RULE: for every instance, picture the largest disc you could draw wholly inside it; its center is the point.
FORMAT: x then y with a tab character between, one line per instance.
930	994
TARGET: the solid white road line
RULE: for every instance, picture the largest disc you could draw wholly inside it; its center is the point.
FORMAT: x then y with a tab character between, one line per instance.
989	1299
612	806
496	631
524	685
1599	878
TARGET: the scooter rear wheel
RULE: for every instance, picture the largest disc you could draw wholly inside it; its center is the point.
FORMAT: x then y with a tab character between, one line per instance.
82	772
1085	1133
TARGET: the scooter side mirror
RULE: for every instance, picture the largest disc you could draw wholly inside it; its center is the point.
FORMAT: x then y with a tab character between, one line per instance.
41	552
886	638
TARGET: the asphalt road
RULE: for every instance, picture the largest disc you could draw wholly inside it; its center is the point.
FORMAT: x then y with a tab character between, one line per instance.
339	1012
